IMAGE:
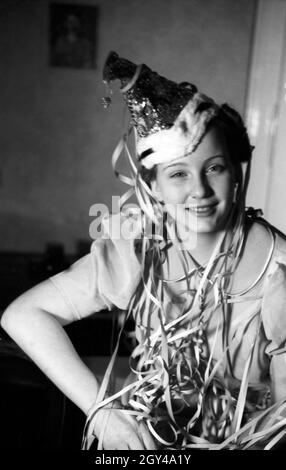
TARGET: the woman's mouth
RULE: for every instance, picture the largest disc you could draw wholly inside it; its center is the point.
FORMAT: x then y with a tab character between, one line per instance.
202	211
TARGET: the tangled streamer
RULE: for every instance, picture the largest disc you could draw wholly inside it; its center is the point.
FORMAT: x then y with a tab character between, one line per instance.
176	386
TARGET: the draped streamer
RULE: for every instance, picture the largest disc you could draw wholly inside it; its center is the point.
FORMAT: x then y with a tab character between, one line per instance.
177	390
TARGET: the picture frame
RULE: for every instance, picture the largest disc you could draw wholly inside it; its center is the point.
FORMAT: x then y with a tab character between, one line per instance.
72	35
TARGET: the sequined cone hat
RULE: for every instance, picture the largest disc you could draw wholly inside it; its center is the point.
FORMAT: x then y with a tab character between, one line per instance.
170	118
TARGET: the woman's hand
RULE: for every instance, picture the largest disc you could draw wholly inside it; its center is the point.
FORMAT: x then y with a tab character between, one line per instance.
122	431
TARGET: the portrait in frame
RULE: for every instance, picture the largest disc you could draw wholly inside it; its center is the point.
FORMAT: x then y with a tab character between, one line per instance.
72	35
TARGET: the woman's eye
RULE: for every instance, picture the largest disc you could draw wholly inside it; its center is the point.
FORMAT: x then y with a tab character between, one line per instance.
178	174
215	169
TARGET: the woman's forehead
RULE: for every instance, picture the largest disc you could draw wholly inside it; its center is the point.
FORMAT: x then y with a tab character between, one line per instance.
212	146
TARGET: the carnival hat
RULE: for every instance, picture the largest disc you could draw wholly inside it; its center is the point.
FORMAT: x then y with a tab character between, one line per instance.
170	118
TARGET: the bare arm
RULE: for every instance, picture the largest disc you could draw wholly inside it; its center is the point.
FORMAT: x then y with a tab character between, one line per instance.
35	321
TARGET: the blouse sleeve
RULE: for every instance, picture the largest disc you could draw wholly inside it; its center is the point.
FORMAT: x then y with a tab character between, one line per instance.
106	277
274	322
274	309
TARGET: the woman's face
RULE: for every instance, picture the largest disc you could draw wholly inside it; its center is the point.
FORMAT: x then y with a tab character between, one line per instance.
198	189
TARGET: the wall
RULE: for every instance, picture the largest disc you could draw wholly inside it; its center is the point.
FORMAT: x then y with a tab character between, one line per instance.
266	112
56	139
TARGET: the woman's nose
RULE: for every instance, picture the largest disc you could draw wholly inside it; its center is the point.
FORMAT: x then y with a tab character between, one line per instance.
200	188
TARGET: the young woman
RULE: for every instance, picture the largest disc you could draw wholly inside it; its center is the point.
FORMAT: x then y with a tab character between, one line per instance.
202	277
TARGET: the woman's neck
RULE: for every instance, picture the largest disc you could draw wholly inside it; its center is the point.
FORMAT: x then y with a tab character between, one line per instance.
202	248
199	245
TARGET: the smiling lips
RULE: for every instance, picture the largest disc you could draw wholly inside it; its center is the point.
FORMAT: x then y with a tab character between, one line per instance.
205	210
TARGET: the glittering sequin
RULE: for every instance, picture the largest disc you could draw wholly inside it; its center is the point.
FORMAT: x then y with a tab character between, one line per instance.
155	102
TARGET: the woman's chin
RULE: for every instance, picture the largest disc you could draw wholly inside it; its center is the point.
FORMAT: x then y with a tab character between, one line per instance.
203	224
190	226
213	227
207	226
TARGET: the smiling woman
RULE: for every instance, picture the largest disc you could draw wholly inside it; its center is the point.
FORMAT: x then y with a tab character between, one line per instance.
206	291
202	182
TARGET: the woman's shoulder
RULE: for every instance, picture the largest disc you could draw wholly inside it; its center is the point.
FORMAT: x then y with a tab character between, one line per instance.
116	232
274	295
123	226
265	237
263	230
258	248
119	241
280	242
269	243
273	244
259	235
262	247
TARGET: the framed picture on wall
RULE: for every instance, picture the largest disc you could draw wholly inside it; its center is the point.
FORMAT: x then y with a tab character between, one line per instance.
72	35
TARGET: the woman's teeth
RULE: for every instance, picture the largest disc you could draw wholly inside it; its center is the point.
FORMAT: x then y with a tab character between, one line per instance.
201	210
